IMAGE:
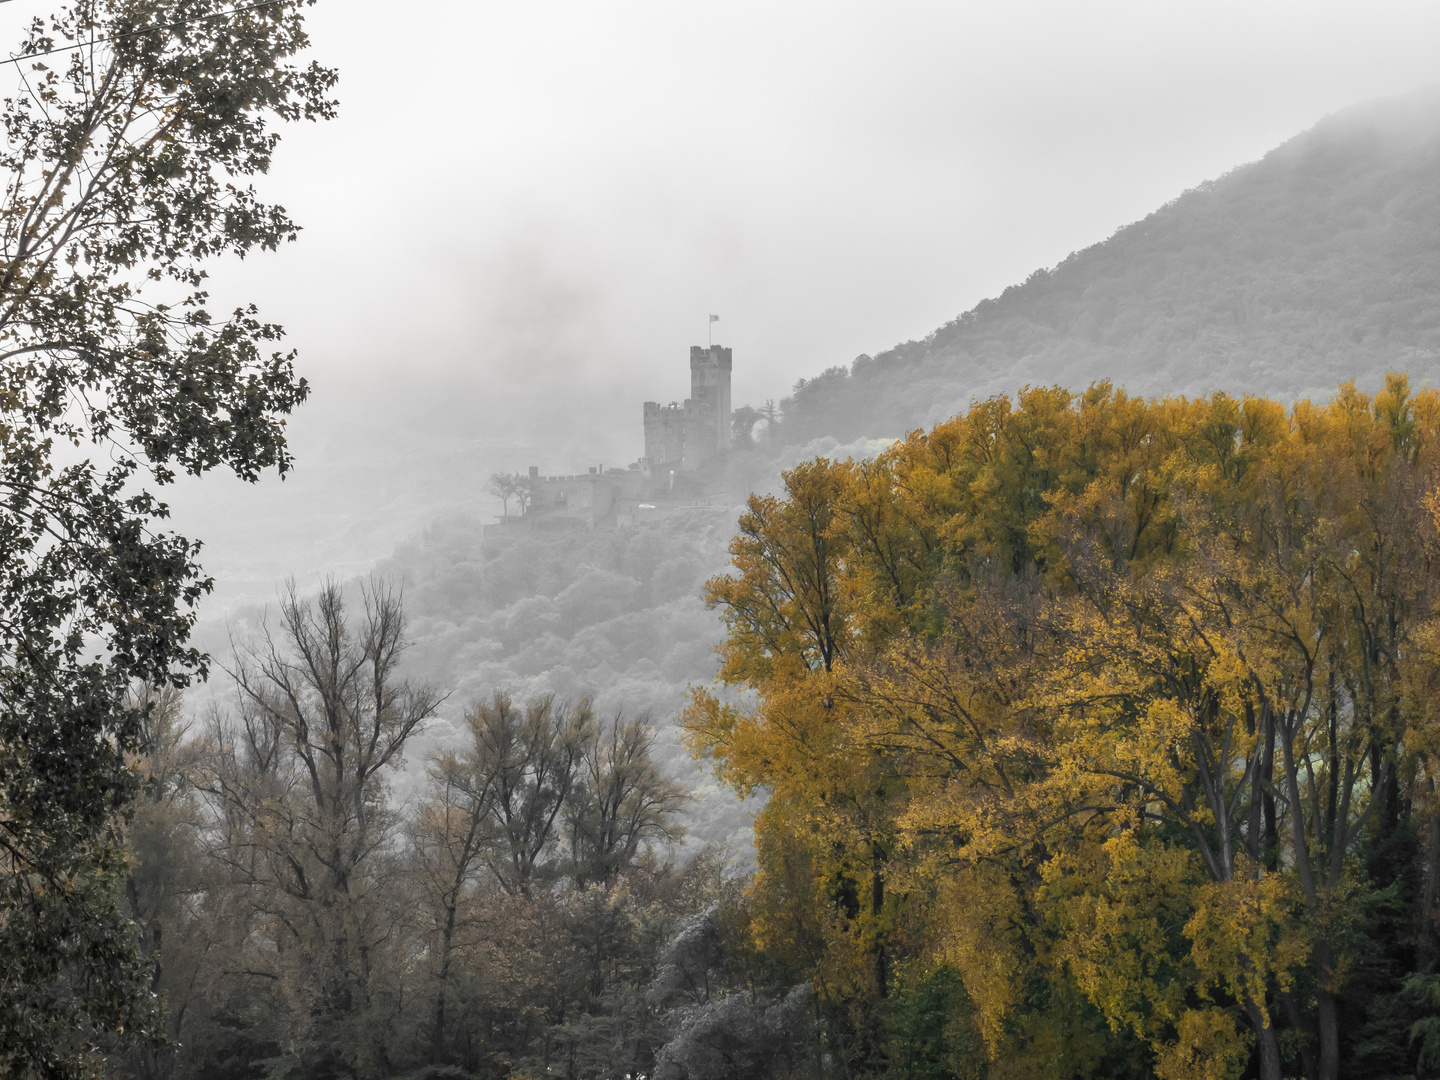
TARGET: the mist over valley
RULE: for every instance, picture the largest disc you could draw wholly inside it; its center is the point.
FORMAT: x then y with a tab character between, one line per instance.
720	543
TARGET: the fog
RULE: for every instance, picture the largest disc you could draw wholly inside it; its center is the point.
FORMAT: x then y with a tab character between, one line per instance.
526	211
522	199
1092	736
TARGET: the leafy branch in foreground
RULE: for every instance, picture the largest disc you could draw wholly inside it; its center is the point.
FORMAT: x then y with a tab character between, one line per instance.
129	141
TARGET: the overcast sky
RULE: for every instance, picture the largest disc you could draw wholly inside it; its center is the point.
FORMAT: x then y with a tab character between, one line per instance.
526	211
522	193
544	200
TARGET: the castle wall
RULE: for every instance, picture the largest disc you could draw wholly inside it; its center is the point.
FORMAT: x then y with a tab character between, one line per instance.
667	435
680	437
585	500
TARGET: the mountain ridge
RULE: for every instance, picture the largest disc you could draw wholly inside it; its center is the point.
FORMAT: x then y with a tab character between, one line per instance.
1287	275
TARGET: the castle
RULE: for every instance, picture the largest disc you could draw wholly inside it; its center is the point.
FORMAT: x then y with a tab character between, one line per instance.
680	439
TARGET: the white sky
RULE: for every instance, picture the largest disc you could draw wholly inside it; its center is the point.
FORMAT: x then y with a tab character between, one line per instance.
535	191
527	209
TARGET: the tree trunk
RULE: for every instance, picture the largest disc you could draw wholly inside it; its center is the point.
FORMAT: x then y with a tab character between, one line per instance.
1307	1056
1265	1043
877	905
437	1036
1329	1025
1271	845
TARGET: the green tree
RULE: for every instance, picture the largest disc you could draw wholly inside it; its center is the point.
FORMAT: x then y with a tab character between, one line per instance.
127	151
742	427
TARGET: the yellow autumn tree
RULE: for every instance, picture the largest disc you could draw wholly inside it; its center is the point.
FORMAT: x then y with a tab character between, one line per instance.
1128	705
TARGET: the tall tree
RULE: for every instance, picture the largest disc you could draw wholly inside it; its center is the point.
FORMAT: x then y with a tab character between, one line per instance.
163	846
538	855
531	760
129	141
335	716
507	486
452	836
792	618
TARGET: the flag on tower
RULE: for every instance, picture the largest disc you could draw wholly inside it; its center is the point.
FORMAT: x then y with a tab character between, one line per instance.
714	318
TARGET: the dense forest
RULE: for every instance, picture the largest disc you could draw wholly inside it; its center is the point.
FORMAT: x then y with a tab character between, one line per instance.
1092	736
616	615
526	872
1098	738
523	914
1318	263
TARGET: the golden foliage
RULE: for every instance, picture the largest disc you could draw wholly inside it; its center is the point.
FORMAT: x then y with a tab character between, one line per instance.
1089	694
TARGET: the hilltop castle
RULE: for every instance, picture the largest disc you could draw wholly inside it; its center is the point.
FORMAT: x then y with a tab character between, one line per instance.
680	438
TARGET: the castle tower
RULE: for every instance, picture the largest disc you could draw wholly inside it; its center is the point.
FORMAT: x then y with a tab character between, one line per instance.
710	389
682	437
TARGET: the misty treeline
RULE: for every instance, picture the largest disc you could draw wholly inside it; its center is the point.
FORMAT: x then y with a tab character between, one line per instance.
614	613
1100	738
528	912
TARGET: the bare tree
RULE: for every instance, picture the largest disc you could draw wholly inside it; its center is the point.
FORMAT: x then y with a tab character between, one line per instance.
532	758
451	835
322	715
507	486
621	801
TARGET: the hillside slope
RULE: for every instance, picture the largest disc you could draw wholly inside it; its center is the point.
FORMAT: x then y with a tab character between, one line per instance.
613	615
1318	263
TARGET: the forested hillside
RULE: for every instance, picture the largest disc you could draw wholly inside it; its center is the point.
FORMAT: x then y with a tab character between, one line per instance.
612	615
616	616
1318	263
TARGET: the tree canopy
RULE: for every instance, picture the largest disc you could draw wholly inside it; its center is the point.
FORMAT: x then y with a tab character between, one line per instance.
1114	720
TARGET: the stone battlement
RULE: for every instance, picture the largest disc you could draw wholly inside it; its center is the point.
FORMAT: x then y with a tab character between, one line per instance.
682	437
